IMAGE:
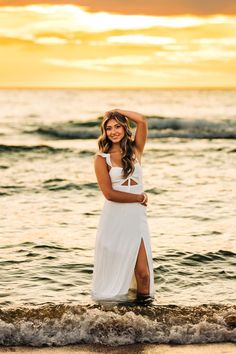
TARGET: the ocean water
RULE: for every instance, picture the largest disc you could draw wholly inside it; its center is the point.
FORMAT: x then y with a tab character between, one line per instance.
50	206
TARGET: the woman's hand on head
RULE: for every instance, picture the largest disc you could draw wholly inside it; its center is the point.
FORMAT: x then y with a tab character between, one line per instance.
111	110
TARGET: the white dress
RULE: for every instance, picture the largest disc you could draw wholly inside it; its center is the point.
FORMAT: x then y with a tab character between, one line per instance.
120	230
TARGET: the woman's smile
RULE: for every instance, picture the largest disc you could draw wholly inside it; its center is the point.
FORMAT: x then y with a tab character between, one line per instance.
114	130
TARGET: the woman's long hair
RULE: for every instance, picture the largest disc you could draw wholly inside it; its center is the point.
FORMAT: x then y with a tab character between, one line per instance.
126	144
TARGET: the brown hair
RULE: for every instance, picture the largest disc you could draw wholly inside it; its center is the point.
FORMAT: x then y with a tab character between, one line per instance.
126	144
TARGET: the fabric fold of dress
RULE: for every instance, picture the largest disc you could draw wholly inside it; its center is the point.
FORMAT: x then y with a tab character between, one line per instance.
121	228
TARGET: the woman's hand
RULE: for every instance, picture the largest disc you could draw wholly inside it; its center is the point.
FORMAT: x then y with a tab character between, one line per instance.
145	199
112	110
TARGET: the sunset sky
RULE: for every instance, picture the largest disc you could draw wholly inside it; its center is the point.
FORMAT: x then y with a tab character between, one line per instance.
180	43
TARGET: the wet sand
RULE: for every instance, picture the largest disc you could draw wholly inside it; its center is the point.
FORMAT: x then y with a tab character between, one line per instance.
221	348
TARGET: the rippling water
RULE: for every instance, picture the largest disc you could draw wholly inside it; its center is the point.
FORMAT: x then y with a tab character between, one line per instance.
50	206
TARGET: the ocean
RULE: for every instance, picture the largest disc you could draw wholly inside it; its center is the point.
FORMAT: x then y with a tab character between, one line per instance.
50	205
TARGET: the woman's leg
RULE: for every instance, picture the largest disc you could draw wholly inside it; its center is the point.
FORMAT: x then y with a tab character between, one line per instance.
142	273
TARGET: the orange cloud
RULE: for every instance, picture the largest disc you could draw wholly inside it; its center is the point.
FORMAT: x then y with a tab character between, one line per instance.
151	7
67	46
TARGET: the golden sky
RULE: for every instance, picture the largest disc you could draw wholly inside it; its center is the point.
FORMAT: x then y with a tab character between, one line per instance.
112	44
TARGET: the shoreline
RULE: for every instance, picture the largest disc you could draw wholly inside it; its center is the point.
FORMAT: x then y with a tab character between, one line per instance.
212	348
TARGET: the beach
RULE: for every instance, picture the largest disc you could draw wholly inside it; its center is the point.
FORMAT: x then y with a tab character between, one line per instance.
225	348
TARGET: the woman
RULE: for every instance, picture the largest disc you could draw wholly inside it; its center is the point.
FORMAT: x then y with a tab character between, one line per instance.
123	257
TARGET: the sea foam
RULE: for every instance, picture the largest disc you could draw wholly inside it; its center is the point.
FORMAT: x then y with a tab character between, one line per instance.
63	324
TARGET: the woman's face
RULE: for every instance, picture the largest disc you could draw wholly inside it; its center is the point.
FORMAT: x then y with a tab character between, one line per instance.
115	131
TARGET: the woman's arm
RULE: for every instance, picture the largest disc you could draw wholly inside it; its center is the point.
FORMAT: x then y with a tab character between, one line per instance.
105	185
141	130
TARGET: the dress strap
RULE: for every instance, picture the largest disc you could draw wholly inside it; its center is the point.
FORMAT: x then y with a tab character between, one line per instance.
106	156
108	159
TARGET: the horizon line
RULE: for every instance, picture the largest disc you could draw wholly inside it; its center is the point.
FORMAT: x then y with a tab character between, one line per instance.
117	88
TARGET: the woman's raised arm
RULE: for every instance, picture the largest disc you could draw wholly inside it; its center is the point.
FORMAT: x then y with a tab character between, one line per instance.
141	130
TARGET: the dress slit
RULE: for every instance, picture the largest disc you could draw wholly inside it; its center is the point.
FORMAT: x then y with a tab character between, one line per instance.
133	277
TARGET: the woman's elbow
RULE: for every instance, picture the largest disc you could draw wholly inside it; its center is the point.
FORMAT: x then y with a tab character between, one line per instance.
108	195
143	120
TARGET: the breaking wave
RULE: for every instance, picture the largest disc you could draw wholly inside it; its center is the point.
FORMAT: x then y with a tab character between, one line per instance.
159	127
30	148
63	324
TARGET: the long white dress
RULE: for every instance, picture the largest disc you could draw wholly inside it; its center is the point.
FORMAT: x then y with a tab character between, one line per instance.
121	228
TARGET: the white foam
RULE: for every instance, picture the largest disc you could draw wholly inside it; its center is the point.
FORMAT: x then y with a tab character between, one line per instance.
109	328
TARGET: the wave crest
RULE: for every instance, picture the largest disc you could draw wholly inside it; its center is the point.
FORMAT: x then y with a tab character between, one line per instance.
64	324
159	127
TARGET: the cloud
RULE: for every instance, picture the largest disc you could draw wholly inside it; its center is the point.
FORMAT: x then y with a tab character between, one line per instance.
100	64
140	39
50	41
68	23
63	44
74	18
207	54
151	7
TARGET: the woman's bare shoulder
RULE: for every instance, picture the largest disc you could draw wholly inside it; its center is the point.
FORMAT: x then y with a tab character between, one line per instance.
100	163
99	157
99	154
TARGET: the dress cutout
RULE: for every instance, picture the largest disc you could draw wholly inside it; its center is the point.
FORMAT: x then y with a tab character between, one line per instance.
121	228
